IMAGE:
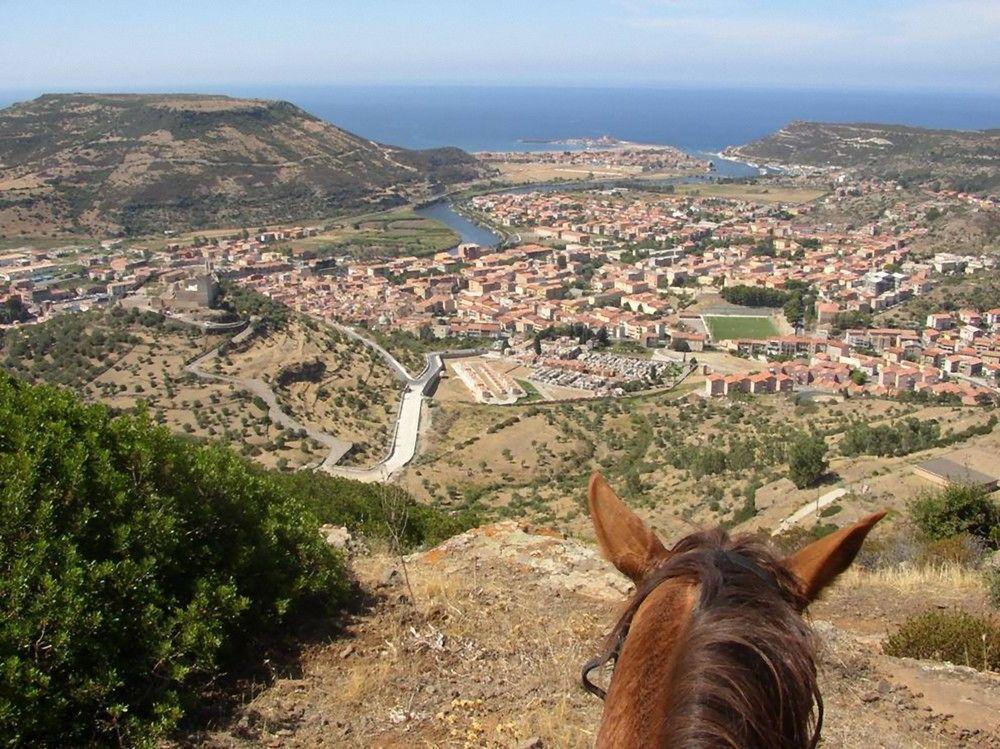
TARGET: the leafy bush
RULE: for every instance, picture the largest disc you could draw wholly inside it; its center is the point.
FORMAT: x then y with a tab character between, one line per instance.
369	509
901	438
954	636
135	565
955	510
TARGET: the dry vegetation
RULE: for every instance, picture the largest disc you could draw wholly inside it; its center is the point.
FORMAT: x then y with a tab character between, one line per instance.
488	654
326	381
760	192
177	161
153	373
128	359
532	461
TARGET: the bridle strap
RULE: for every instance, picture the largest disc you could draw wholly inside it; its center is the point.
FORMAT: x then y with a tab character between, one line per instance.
600	660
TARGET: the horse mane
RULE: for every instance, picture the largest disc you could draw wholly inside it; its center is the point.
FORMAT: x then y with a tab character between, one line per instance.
744	675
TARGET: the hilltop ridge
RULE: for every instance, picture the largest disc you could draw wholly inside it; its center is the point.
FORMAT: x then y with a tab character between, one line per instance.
962	159
136	163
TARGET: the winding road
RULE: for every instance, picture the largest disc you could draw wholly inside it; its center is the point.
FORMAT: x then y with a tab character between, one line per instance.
403	445
338	448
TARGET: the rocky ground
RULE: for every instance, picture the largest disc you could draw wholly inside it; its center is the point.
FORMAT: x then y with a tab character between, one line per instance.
479	642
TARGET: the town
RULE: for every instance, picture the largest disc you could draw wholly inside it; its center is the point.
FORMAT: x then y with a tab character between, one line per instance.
608	291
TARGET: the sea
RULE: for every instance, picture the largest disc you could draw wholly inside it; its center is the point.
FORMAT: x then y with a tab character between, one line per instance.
495	118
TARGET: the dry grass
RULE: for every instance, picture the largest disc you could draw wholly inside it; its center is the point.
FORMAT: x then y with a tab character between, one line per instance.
355	398
908	579
761	193
490	654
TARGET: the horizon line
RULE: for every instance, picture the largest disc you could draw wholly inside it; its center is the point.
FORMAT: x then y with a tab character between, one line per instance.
174	88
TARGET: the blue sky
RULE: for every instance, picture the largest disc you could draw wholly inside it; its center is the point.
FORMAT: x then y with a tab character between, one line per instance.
141	44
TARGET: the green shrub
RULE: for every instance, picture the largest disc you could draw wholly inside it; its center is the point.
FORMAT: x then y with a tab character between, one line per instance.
134	566
369	509
954	636
955	510
807	460
900	438
992	576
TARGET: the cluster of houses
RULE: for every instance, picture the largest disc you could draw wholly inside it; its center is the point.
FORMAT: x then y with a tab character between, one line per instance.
758	383
69	279
956	354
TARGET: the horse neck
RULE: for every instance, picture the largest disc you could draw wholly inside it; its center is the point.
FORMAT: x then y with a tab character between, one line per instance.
639	697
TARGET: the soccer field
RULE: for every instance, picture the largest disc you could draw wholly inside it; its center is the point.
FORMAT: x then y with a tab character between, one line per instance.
725	328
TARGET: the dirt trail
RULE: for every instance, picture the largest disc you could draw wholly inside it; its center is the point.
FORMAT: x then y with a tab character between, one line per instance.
337	447
490	654
971	697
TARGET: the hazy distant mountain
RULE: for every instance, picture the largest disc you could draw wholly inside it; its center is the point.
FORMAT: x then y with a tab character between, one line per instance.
131	164
963	159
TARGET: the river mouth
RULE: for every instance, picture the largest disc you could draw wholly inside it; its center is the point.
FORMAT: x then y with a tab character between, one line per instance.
470	232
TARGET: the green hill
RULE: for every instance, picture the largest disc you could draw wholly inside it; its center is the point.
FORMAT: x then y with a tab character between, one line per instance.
134	164
961	159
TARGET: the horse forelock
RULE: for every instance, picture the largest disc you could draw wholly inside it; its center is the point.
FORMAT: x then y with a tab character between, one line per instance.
743	671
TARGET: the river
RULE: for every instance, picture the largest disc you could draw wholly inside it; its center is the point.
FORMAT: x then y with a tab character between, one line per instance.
470	232
473	233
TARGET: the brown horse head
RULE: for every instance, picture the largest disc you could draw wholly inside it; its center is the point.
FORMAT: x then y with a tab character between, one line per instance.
712	649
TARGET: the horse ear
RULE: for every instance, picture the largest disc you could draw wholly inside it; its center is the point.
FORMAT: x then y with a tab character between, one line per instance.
819	563
625	540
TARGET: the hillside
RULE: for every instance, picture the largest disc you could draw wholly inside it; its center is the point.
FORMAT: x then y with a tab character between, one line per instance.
134	164
489	655
966	160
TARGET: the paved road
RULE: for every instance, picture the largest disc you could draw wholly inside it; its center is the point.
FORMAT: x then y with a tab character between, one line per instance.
209	326
398	369
808	509
403	445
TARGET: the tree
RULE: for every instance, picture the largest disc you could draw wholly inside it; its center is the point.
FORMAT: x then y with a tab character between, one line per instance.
13	310
754	296
807	460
